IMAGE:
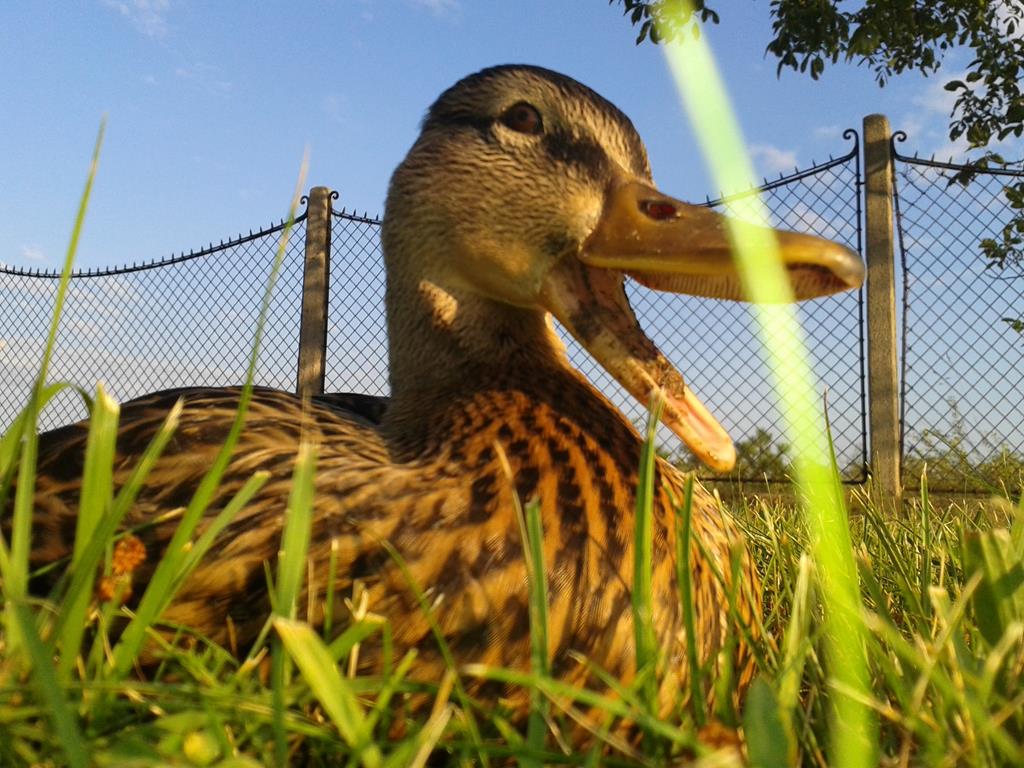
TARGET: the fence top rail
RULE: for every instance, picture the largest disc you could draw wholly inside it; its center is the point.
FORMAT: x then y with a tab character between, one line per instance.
849	134
949	165
815	168
353	215
53	274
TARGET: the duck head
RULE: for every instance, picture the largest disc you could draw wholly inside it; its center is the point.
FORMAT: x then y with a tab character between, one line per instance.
527	193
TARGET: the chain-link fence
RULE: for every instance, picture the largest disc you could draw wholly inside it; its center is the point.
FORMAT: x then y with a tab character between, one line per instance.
357	349
187	320
962	410
715	344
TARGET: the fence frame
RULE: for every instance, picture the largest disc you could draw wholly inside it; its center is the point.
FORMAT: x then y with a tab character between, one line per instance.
316	289
883	370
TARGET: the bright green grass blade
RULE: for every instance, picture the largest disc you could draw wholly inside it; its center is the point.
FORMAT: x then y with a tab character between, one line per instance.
531	532
291	568
353	635
534	538
238	502
334	693
797	644
426	739
174	568
97	472
291	562
533	546
16	575
442	645
684	583
643	537
1017	529
83	574
854	728
391	685
560	692
64	724
925	566
94	502
10	449
766	737
159	592
10	442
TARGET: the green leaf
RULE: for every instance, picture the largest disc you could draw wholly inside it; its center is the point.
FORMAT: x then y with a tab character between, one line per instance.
643	627
768	744
94	503
998	601
292	560
333	691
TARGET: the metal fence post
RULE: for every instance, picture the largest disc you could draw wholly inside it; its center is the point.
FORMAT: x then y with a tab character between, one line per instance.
883	376
315	288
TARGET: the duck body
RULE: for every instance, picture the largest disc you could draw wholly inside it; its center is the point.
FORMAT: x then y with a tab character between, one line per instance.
445	505
526	195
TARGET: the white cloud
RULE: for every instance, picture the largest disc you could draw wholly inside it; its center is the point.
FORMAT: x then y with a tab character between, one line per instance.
147	16
438	7
333	106
831	132
206	75
33	253
771	160
935	98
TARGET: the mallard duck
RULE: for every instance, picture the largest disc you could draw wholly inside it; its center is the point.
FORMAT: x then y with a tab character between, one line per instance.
526	196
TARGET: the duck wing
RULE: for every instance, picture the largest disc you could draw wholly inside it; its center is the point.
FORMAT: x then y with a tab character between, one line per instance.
368	407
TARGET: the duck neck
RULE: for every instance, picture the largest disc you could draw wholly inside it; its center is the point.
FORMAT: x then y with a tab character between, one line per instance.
445	342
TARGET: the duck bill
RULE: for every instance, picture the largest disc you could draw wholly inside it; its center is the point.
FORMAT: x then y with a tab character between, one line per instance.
591	304
669	245
672	246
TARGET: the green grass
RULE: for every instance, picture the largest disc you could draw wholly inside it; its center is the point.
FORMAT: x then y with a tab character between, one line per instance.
944	643
940	604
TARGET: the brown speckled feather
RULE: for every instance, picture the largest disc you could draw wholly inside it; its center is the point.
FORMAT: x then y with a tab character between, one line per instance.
446	507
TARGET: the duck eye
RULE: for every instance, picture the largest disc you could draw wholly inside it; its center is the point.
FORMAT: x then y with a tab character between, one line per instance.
522	118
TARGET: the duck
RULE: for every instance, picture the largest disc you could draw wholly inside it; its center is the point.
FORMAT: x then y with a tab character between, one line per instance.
526	197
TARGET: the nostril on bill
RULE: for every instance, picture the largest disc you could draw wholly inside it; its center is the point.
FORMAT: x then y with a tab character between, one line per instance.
659	210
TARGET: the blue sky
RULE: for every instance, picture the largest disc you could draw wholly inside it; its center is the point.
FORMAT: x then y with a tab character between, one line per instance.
211	104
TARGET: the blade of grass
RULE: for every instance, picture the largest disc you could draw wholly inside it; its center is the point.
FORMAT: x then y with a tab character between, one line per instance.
684	516
159	592
16	576
84	573
643	538
320	672
446	653
94	502
533	539
291	565
64	724
291	561
854	727
797	645
557	691
10	450
531	532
